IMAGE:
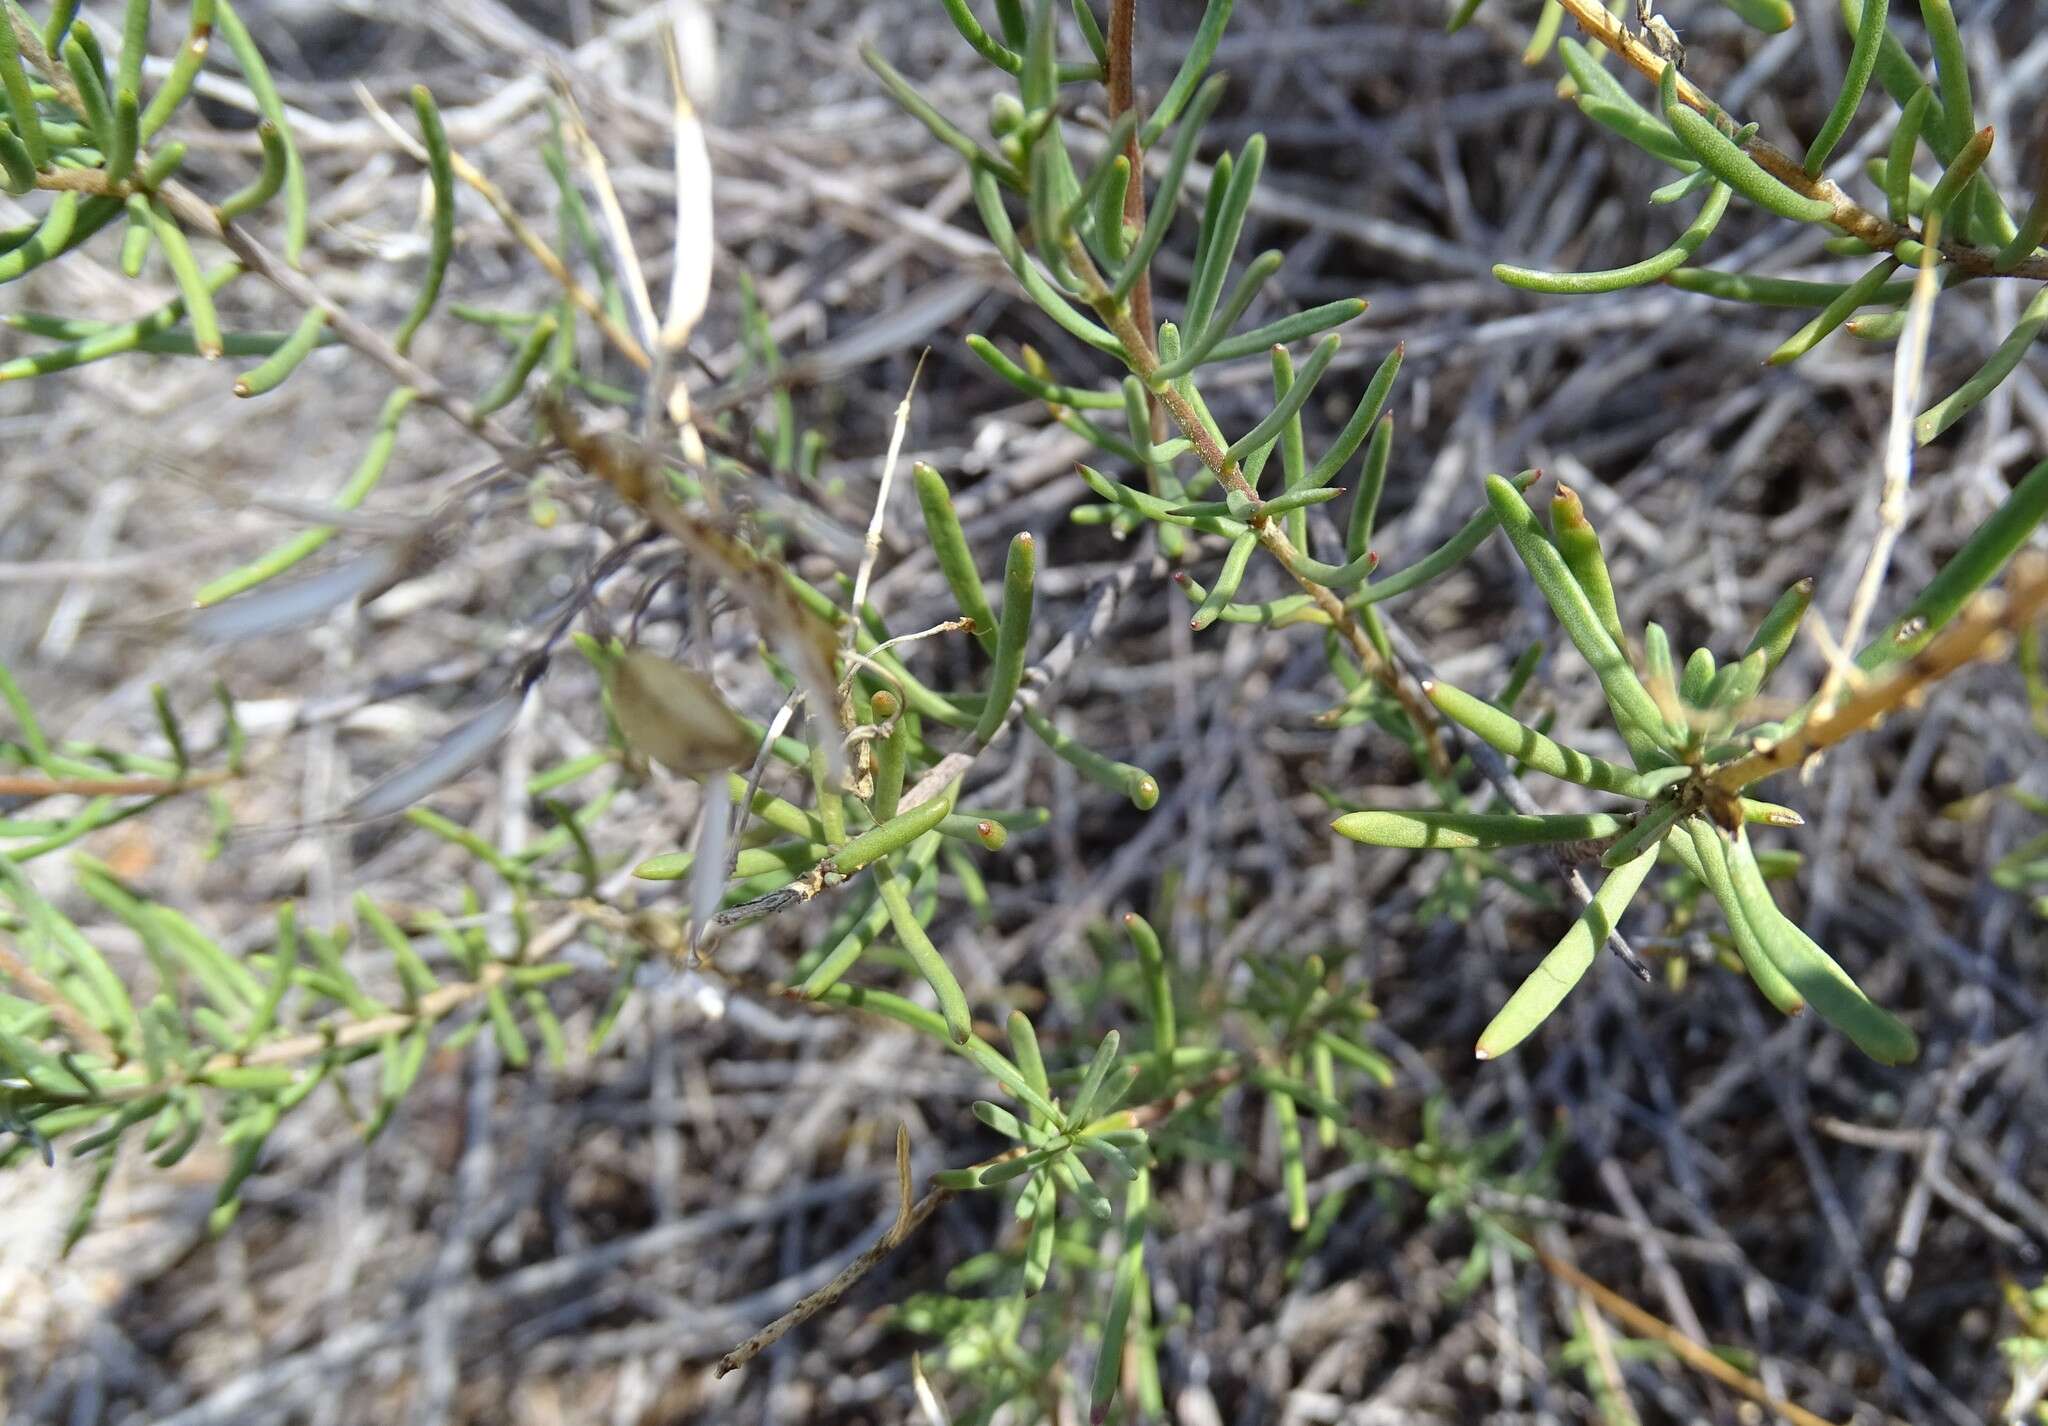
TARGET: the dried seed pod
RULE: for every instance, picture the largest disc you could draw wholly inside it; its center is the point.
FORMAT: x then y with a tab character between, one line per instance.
677	717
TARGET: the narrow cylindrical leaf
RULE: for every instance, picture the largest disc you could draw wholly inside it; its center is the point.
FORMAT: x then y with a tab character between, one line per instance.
1355	431
1194	64
982	42
1024	1050
1555	975
1133	782
1658	671
998	1118
1956	177
1773	17
1099	1066
1209	337
1679	189
525	357
1952	70
1442	559
1635	712
198	298
92	90
441	241
1648	830
1739	171
1856	294
1426	829
1772	291
1988	377
893	835
1371	482
1969	569
890	752
939	126
120	159
16	165
1227	581
949	546
988	202
1158	987
2033	228
1780	625
1009	1076
1217	244
1516	739
1733	685
1299	327
1037	386
1579	543
270	373
930	964
1636	124
1813	972
1708	860
1335	576
1284	410
21	103
1634	274
1130	1266
1012	634
1164	201
1086	209
256	73
1898	166
1699	672
1870	33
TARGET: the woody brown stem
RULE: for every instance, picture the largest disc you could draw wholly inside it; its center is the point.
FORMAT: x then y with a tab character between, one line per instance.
1123	25
40	787
1981	632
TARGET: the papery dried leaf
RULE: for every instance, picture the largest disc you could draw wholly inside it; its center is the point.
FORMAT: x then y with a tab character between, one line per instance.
797	636
677	717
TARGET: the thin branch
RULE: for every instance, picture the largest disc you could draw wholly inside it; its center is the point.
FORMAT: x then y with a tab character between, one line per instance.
1848	215
1983	631
196	214
913	1217
82	1032
1123	26
1694	1354
536	246
1909	370
1271	536
36	788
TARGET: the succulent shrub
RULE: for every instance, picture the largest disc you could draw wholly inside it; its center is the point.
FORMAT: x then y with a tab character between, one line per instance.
853	794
